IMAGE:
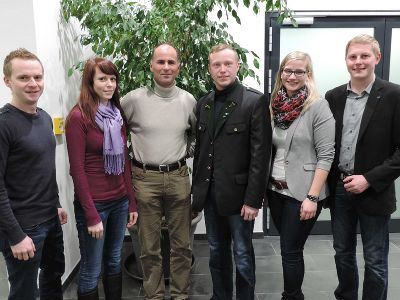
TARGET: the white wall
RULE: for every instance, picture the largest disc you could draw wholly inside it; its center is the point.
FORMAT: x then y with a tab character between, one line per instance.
15	32
58	50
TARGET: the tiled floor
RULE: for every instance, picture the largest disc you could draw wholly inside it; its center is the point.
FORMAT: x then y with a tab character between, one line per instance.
319	283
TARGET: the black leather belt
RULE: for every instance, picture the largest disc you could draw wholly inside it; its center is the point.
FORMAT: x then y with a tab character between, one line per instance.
164	168
279	184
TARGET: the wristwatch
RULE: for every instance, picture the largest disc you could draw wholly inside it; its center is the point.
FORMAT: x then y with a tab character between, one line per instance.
313	198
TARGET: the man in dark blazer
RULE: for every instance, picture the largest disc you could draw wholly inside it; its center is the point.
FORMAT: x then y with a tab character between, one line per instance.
230	171
366	164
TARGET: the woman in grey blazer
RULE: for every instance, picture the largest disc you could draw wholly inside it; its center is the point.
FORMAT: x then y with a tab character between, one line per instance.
303	140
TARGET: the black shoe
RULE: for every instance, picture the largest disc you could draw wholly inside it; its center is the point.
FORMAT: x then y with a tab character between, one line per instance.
92	295
113	286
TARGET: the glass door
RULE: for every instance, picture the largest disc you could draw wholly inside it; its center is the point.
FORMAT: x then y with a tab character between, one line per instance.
325	39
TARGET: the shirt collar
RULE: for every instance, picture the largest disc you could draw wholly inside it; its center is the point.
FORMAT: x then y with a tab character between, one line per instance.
366	90
163	92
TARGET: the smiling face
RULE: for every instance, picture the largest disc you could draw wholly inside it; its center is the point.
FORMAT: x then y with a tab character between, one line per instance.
104	85
294	75
165	65
223	67
26	83
361	61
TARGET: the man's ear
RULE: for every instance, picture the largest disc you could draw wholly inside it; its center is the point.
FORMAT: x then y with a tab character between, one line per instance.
7	81
378	58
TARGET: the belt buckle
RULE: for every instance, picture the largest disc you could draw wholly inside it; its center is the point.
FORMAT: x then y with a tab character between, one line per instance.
163	168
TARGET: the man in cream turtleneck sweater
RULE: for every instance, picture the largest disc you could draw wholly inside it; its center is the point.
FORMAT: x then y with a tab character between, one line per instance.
161	120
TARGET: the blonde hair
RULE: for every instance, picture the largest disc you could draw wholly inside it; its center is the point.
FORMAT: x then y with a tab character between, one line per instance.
364	39
20	53
220	47
313	93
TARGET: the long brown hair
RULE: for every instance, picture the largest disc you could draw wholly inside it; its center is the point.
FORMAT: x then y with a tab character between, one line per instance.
88	100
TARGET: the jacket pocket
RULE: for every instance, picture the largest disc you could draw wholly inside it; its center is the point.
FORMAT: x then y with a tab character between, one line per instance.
309	167
241	178
235	128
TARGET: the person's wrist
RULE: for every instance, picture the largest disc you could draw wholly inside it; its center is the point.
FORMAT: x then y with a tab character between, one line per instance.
313	198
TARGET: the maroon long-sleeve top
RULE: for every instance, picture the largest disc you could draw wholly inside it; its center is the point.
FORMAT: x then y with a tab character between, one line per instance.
92	184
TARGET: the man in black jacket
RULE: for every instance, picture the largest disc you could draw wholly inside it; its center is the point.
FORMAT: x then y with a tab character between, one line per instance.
233	145
367	161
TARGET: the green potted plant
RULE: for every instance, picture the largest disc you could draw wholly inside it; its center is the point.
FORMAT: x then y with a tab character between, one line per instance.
127	31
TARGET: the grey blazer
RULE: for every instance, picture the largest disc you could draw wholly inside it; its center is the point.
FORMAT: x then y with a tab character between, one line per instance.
310	144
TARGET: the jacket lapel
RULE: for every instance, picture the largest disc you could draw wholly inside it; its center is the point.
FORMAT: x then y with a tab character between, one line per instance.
290	133
338	111
372	101
233	100
206	113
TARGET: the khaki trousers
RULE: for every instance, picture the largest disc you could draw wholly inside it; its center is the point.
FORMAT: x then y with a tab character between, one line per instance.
168	194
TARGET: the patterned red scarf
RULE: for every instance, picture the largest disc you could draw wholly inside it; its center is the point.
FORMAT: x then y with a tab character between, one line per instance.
286	109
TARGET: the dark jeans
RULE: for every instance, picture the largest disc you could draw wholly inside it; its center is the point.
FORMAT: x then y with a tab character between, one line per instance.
114	215
285	212
221	230
49	257
375	238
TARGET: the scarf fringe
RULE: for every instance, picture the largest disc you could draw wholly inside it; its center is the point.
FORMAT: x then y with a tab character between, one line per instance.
114	164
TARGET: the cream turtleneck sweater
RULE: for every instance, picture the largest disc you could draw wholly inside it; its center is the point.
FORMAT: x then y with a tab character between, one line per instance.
162	122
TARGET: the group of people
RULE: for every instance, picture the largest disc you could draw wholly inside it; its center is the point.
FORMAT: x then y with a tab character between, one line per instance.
294	153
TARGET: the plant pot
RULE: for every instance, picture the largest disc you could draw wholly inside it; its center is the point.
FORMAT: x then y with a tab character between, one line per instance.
132	263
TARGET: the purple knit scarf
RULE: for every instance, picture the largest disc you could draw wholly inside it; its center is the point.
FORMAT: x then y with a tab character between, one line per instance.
109	120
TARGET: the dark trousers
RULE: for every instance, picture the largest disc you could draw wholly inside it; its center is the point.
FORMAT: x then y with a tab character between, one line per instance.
375	238
106	250
49	257
285	212
221	230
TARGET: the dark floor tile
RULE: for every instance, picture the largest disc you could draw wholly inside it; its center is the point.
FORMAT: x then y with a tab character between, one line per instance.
395	242
201	249
394	293
3	288
269	282
200	285
322	281
268	296
318	247
200	297
262	247
320	262
70	291
201	266
394	279
269	264
308	295
394	260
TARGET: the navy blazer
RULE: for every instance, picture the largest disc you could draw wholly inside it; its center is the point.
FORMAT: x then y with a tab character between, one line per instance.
234	151
377	155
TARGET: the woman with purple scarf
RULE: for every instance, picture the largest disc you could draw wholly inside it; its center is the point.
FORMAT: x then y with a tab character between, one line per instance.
303	141
100	168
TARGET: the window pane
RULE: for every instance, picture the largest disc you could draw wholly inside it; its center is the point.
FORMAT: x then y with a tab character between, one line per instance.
326	46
